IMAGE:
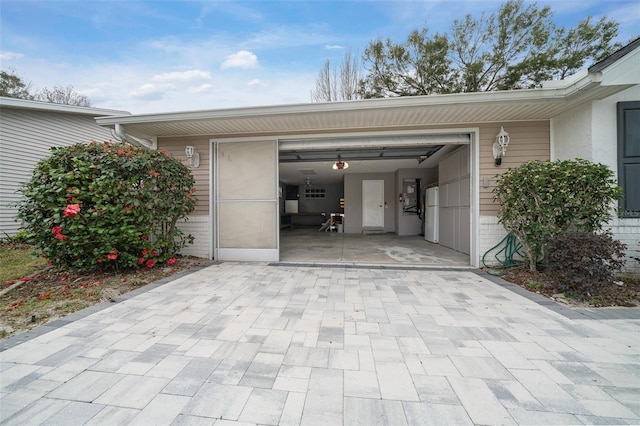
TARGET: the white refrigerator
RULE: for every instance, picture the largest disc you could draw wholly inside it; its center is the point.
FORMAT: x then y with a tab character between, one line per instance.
431	214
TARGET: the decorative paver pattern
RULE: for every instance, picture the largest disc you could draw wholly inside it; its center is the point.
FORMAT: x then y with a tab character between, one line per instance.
238	344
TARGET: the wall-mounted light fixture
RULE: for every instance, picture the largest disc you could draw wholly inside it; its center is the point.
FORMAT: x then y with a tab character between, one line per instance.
340	165
192	155
500	145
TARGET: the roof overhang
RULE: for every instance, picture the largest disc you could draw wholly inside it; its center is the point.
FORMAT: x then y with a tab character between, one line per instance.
13	103
407	112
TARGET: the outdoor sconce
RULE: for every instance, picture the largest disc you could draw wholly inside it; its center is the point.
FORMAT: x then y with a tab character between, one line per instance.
500	145
192	156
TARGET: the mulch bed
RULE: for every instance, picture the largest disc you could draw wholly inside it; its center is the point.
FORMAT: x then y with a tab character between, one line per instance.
627	294
50	294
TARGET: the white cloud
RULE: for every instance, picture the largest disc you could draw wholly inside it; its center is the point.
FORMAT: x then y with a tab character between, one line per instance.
151	92
182	76
333	46
6	55
203	88
257	82
241	59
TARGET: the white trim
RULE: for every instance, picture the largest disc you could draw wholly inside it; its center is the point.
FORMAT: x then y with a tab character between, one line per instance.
474	153
359	139
552	140
213	254
248	255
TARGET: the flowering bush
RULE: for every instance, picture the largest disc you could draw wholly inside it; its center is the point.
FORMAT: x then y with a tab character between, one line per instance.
539	200
103	205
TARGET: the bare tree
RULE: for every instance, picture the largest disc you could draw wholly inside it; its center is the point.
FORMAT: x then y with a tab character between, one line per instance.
338	84
63	95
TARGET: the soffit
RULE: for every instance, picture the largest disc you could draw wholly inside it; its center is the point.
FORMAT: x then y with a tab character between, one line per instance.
537	104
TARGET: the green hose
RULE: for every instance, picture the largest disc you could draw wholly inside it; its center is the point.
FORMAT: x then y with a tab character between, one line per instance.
503	259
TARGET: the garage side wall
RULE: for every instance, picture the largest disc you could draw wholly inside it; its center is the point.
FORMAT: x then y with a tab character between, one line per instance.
198	223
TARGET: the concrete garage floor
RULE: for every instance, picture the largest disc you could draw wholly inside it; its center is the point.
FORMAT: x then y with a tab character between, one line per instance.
307	245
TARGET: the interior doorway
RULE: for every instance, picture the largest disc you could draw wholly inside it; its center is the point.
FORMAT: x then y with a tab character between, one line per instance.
373	203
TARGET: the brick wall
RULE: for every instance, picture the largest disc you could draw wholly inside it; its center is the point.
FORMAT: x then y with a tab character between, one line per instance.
198	226
628	232
625	230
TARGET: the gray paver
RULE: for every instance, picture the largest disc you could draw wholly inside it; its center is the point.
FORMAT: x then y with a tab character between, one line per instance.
240	343
367	411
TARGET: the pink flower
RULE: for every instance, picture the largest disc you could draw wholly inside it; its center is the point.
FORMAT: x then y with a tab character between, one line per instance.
144	252
72	210
141	260
56	229
127	208
150	263
145	238
112	256
99	260
154	253
61	237
171	261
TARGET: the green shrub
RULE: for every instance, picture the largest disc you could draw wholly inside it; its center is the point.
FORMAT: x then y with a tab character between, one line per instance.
582	263
539	200
104	205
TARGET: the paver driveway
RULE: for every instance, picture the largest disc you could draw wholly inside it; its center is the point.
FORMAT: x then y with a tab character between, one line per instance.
257	344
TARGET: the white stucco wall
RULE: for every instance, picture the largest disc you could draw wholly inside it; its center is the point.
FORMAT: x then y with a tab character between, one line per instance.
604	127
571	133
590	130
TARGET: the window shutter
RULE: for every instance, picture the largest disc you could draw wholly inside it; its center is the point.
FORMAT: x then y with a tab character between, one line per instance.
629	156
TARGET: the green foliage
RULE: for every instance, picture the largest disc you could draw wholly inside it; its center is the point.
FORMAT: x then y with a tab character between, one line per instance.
12	86
519	46
539	200
582	263
107	205
20	237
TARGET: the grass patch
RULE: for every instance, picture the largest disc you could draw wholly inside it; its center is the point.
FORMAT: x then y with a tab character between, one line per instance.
17	262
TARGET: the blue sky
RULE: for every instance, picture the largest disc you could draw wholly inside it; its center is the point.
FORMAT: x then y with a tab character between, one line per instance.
157	56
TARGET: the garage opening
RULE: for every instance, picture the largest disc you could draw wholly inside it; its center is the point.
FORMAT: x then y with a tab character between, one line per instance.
385	198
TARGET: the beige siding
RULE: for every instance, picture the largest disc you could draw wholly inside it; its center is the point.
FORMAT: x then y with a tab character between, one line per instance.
25	139
201	174
529	141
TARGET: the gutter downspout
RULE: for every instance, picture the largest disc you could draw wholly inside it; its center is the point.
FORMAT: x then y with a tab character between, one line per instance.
145	143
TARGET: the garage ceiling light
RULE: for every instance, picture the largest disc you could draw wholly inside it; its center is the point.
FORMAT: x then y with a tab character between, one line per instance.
340	165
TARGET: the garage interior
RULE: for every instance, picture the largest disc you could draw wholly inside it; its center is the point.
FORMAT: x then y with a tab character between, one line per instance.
324	216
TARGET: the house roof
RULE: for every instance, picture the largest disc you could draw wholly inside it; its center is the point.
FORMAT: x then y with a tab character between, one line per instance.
14	103
615	56
543	103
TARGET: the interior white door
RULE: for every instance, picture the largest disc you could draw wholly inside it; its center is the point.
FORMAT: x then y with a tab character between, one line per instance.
373	203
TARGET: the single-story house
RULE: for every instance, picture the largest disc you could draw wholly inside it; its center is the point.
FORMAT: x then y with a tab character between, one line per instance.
28	129
248	162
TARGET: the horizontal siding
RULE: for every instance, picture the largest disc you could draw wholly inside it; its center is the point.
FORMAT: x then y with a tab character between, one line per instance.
175	146
26	138
528	141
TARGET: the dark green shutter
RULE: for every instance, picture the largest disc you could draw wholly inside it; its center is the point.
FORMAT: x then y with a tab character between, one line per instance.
629	156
